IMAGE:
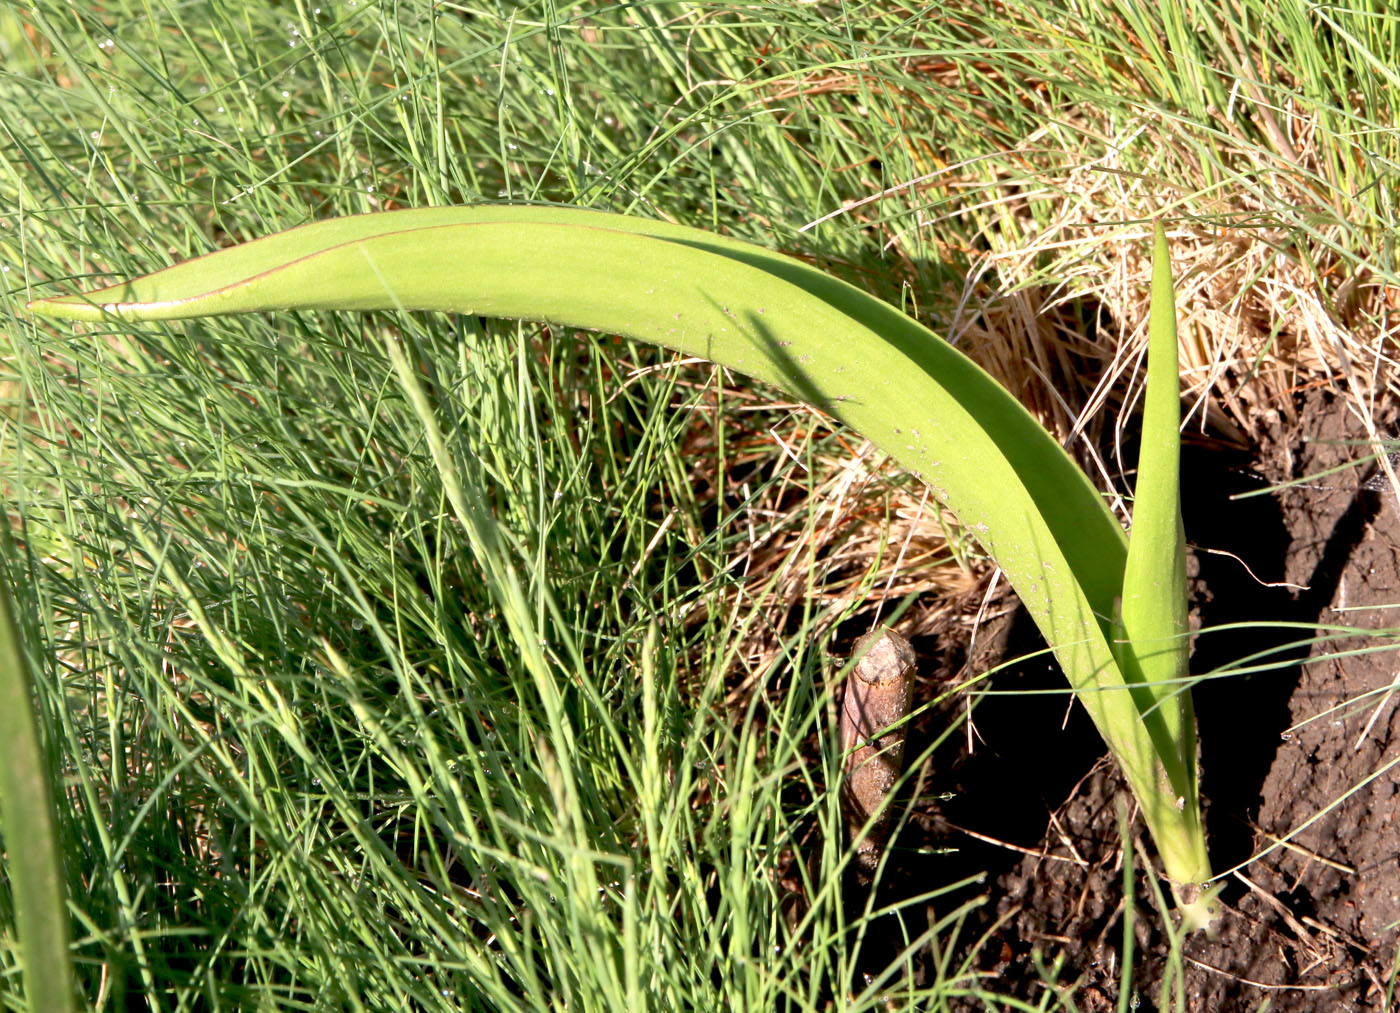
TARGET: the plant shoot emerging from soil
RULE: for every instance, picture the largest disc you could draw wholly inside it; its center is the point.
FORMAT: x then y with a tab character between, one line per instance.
1115	616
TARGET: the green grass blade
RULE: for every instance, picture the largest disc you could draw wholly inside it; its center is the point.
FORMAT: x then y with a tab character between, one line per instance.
34	867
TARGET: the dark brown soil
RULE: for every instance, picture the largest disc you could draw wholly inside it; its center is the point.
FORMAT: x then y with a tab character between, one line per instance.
1308	926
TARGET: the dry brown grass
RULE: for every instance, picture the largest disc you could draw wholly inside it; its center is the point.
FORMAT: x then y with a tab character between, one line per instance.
1266	312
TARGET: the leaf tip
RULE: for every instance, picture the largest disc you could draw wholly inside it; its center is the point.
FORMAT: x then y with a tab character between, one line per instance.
79	308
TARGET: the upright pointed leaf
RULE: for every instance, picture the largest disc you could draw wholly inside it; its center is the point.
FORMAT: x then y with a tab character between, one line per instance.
1153	609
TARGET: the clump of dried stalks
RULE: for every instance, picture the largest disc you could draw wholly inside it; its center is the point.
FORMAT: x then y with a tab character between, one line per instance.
1058	313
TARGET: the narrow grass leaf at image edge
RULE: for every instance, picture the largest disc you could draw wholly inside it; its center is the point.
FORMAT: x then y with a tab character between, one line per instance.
758	312
33	864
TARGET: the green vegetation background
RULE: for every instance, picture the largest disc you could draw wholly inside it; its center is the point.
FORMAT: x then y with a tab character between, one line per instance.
304	763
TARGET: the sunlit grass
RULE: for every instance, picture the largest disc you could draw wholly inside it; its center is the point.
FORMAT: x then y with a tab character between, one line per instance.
306	763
